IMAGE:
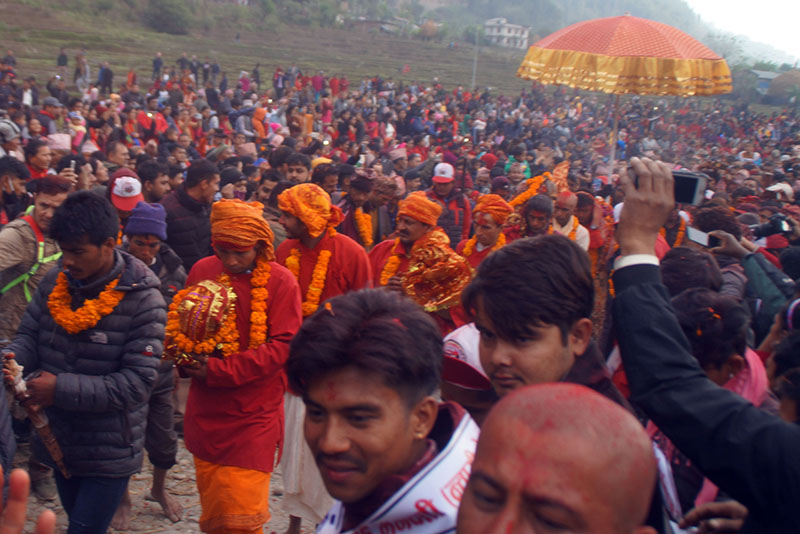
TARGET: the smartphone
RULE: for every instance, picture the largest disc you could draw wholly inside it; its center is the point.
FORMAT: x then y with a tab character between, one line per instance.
72	165
690	187
702	238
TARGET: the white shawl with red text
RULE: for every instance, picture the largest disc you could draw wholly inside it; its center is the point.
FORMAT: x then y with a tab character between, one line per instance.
426	504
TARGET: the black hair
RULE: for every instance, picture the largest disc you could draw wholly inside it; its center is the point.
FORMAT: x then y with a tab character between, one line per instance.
718	218
715	325
790	261
789	386
279	156
51	185
271	175
787	354
85	213
64	162
374	331
112	146
684	268
299	159
321	171
200	170
11	165
232	161
532	282
175	170
312	147
230	175
33	147
148	171
540	203
279	188
249	171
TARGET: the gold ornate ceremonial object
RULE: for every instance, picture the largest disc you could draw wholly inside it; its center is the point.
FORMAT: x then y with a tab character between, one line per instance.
202	321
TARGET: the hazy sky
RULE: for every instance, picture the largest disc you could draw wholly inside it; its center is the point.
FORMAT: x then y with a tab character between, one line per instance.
774	22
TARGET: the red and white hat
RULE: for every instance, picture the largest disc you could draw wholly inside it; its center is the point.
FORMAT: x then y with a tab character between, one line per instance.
126	193
443	173
462	364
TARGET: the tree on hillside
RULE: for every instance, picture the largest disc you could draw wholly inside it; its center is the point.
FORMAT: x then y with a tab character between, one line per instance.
168	16
765	65
728	46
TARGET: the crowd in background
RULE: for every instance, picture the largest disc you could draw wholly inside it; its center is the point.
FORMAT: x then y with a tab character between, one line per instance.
542	158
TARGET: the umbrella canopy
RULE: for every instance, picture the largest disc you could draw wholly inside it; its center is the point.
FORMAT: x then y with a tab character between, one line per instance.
627	55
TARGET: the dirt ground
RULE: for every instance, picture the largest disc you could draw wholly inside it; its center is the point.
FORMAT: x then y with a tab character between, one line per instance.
147	516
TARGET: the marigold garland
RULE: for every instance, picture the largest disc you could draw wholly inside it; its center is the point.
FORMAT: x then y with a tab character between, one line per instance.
392	264
318	277
533	188
89	314
469	247
679	237
258	302
226	340
364	225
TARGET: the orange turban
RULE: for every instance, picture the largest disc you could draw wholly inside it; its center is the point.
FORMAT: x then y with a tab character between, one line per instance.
495	206
240	225
312	205
420	208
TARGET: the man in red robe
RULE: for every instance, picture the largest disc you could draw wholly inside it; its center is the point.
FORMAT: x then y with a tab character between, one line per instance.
489	214
421	264
325	262
416	218
234	415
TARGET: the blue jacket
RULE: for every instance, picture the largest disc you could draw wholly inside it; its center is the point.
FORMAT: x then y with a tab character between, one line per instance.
104	374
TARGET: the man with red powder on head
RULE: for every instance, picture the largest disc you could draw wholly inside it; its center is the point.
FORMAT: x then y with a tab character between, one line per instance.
395	459
578	463
566	223
234	415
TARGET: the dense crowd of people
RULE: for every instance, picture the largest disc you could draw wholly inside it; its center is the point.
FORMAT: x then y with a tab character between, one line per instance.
431	308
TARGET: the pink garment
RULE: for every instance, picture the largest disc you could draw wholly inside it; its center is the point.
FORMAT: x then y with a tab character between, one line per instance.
750	383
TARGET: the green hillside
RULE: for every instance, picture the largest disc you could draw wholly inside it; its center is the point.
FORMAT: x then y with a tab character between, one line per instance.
35	29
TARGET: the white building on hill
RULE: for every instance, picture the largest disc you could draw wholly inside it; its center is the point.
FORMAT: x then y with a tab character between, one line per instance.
500	33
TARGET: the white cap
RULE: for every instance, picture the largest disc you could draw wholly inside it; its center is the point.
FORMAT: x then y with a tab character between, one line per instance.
443	173
127	192
784	188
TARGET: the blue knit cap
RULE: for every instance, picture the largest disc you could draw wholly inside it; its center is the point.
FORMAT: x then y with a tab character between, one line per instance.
147	219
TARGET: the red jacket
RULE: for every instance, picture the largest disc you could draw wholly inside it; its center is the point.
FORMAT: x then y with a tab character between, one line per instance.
235	416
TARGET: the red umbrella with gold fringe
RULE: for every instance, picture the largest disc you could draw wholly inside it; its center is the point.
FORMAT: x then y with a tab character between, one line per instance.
627	55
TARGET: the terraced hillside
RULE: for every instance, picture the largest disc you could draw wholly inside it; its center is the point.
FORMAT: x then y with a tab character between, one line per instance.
36	30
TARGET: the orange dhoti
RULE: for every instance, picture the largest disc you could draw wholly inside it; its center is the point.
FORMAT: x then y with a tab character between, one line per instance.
233	499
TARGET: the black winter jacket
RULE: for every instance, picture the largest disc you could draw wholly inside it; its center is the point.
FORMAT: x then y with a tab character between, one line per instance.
750	454
188	227
104	374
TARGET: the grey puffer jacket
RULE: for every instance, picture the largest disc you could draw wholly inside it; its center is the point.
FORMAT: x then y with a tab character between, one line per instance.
104	374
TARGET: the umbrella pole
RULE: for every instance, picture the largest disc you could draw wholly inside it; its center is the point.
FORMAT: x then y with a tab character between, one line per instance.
614	136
